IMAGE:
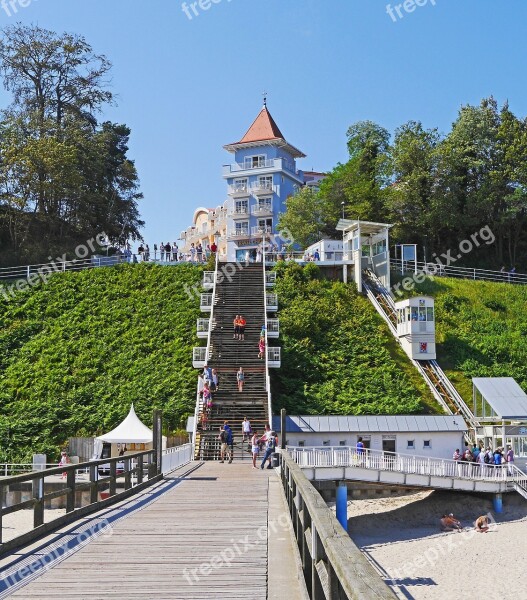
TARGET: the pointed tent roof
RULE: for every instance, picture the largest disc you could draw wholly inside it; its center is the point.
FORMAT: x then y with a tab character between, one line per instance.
131	430
264	130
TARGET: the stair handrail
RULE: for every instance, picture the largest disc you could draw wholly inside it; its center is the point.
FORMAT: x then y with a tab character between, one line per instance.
207	354
267	377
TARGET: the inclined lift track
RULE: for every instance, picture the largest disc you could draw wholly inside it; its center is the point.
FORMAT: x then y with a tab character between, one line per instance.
442	389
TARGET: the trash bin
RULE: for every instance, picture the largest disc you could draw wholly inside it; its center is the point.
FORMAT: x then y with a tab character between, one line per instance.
275	460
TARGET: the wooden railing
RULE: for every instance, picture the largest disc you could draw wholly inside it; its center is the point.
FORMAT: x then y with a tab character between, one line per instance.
135	471
333	567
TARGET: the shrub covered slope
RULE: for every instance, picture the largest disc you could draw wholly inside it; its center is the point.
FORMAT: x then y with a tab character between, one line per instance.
481	330
338	356
74	354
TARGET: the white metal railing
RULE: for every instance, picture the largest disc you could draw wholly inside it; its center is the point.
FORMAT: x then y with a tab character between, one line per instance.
436	270
208	279
261	210
199	355
270	278
346	456
206	300
271	300
273	327
266	322
203	326
262	188
173	458
12	469
239	233
239	189
273	163
44	270
261	230
273	354
239	213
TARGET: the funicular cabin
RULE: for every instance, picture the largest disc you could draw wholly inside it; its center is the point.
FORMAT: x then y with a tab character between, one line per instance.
416	327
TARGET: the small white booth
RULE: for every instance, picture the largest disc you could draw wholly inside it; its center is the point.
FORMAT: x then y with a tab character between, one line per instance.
500	406
416	327
132	435
366	244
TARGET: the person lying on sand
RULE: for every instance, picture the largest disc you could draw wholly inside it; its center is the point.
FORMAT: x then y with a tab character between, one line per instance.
448	523
482	524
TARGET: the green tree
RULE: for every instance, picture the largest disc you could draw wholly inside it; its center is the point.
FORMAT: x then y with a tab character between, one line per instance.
304	217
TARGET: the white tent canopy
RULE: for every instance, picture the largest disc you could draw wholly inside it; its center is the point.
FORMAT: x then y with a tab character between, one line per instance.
131	431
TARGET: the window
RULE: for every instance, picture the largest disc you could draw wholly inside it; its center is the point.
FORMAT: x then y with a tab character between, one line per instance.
342	443
301	443
430	314
411	445
240	185
265	204
326	443
242	228
427	444
241	207
265	182
265	225
254	162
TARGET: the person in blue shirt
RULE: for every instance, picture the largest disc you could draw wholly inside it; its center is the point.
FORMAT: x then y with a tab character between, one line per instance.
360	446
229	440
270	448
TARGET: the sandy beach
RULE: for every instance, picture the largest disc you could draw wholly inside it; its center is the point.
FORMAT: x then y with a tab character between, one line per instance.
401	536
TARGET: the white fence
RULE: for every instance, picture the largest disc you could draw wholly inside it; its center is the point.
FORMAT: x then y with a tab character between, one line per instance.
344	456
173	458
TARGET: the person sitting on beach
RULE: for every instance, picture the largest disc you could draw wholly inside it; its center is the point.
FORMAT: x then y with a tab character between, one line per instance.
448	523
482	524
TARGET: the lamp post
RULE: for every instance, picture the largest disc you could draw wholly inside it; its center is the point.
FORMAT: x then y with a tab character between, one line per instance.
343	204
425	238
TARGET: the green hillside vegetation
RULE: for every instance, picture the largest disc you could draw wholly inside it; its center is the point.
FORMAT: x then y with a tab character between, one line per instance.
338	356
481	330
74	354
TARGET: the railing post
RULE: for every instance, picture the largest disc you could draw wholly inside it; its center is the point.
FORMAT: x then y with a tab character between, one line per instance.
113	479
93	483
283	428
157	445
139	469
70	497
127	474
37	485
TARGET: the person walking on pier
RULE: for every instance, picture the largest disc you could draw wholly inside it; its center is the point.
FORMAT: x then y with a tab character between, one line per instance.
510	460
240	378
229	441
255	447
270	447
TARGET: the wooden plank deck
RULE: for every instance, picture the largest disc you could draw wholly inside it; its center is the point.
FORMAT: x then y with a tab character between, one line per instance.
204	539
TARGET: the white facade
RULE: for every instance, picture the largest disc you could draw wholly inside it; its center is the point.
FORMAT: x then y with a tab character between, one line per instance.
416	327
433	436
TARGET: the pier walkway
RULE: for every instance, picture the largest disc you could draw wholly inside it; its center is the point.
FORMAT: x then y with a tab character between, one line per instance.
206	531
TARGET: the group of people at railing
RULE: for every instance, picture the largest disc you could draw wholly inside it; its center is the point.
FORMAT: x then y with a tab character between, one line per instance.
167	252
483	458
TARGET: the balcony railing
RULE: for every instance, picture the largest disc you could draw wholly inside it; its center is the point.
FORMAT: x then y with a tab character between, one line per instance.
272	302
262	210
206	302
262	188
208	280
239	213
239	234
270	278
273	163
274	358
273	328
261	230
199	358
203	328
238	191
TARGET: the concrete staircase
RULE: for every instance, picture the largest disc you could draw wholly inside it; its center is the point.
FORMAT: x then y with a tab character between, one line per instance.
241	293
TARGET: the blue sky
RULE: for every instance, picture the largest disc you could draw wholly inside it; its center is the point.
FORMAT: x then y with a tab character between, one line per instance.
188	86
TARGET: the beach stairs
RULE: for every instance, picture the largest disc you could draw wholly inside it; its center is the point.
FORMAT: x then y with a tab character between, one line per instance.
240	293
441	387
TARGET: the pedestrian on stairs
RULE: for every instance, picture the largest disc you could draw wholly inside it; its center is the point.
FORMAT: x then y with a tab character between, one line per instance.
241	328
240	378
236	325
215	380
246	429
261	348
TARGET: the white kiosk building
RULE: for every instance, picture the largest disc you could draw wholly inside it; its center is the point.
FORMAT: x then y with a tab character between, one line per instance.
416	327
